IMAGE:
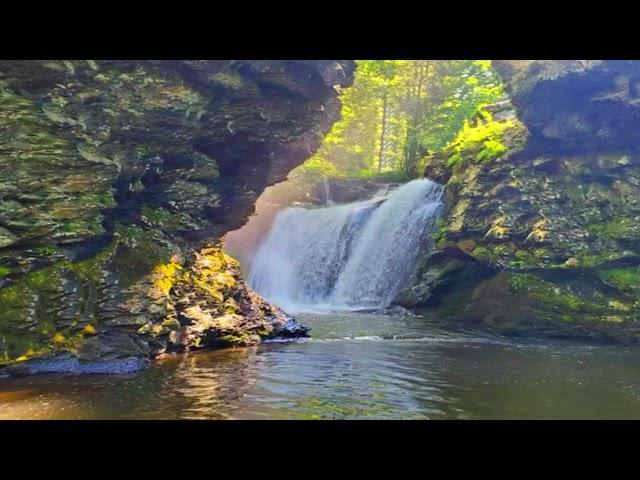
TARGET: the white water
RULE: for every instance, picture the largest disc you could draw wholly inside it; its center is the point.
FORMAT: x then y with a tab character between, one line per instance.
346	257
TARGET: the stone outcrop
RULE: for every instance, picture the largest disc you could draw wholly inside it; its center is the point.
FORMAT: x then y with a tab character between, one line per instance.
543	236
112	168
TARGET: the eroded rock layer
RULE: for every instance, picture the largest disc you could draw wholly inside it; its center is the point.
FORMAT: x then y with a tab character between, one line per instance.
112	168
541	234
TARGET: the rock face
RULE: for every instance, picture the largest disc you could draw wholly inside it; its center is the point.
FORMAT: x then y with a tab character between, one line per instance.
113	169
543	237
576	105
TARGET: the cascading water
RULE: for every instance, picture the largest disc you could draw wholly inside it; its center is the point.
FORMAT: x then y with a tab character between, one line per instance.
327	192
346	257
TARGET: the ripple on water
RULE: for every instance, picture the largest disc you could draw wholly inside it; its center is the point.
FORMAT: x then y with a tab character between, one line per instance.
357	366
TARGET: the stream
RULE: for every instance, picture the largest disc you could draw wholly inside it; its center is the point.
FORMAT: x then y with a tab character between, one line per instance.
354	366
341	261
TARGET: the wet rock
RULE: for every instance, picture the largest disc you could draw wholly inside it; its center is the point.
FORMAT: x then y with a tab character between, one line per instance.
111	168
352	190
290	329
532	240
576	104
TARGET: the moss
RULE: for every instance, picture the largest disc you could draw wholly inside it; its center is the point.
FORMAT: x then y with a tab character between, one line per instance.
524	260
616	228
4	271
80	228
92	269
171	323
45	278
440	233
454	159
557	297
228	79
58	338
46	250
232	339
164	276
89	330
482	142
167	220
625	279
484	254
27	323
212	274
264	332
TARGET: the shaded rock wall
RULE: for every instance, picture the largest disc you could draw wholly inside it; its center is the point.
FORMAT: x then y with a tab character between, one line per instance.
110	168
544	238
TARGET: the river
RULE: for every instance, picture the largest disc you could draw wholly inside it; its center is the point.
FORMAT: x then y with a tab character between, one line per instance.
354	366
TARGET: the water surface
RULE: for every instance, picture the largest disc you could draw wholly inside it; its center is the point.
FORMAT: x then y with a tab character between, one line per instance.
355	366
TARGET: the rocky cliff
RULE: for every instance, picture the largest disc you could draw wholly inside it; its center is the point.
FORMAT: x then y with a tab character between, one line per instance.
119	177
541	228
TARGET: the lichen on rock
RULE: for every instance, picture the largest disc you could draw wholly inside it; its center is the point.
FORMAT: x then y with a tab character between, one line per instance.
547	231
112	168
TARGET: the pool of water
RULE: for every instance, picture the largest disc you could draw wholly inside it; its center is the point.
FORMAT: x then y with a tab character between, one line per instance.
355	366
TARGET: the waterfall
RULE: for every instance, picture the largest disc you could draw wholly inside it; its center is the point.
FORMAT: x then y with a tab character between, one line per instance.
327	191
345	257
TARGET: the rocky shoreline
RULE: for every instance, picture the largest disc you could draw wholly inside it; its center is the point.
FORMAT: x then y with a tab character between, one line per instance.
120	176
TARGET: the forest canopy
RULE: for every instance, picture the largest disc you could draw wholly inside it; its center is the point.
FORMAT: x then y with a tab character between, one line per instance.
397	111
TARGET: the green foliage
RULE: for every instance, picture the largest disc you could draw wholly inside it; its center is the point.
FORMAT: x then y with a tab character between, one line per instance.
484	139
318	166
4	271
397	110
457	90
390	176
626	279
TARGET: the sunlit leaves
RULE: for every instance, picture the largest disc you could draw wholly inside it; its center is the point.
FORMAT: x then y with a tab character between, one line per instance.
427	103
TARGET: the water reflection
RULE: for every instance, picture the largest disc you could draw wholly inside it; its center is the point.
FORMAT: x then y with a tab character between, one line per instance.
355	367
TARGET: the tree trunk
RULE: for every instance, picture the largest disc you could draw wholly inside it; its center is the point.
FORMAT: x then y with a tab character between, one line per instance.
383	131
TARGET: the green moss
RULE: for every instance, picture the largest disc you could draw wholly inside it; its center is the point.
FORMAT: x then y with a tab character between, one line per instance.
524	259
92	269
482	141
626	279
484	254
440	232
98	200
4	271
240	339
162	218
46	250
552	295
139	251
228	79
171	324
82	228
454	159
492	150
616	228
264	332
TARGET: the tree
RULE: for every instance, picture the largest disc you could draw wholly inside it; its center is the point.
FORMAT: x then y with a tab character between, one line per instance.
398	110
